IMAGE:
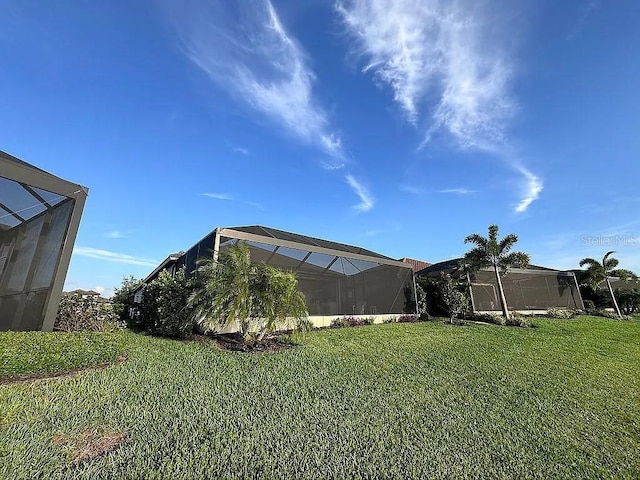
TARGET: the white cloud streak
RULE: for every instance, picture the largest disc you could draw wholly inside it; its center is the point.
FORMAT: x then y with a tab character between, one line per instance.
108	256
115	234
219	196
243	47
366	200
241	150
229	197
412	190
458	191
532	190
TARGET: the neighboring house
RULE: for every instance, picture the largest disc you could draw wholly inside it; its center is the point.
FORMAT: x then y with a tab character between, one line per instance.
417	265
534	288
335	278
39	218
168	264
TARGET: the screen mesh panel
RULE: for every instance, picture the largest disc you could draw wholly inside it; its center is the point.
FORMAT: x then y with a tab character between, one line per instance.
526	291
30	251
332	285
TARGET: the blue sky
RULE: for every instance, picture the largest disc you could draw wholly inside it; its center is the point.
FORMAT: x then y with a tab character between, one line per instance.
399	126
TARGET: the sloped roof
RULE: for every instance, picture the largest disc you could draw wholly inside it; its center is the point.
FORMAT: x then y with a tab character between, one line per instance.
416	264
452	264
28	190
306	240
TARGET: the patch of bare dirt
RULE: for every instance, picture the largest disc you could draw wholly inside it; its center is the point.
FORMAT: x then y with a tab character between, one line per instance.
90	445
236	343
30	377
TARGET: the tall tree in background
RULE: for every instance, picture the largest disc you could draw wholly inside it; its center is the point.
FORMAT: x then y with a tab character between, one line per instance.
598	272
497	254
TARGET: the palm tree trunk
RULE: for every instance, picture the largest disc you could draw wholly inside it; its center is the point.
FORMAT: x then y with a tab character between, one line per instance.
503	300
613	298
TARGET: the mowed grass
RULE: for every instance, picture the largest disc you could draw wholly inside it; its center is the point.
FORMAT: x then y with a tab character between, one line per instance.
384	401
41	352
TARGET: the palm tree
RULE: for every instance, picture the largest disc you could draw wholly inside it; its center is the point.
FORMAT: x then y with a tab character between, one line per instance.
233	289
276	298
489	252
598	272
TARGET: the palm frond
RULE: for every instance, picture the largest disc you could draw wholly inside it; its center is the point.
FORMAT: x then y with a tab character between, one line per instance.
493	233
623	274
505	245
589	262
476	239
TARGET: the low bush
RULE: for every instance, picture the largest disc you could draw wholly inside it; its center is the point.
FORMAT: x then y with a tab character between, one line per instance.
515	320
86	313
486	318
518	320
607	314
304	325
407	319
562	313
351	322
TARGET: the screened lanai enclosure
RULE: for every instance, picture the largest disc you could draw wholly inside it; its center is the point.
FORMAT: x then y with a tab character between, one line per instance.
528	289
39	218
336	279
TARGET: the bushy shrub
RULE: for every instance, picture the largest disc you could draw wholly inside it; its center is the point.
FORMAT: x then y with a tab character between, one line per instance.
164	311
454	301
123	297
628	301
92	313
407	319
351	322
562	313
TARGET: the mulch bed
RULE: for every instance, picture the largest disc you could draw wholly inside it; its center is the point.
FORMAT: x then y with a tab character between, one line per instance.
235	342
30	377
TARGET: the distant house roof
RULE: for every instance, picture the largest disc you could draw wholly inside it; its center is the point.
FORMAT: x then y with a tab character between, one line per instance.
166	263
449	266
79	291
417	265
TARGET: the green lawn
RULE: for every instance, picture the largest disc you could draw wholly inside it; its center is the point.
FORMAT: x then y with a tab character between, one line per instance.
41	352
398	400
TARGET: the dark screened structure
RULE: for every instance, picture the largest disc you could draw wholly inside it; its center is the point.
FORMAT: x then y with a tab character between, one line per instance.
336	279
528	289
39	218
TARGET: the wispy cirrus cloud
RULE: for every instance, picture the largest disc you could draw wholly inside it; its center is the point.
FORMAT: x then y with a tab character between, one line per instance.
109	256
426	49
115	234
241	150
244	48
219	196
366	200
412	190
229	197
445	66
533	187
458	191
